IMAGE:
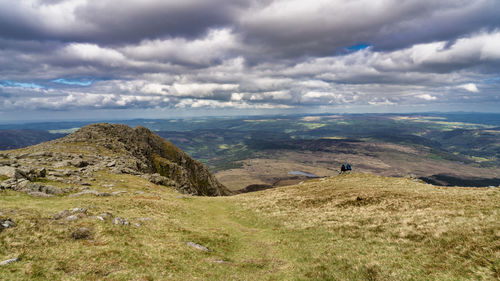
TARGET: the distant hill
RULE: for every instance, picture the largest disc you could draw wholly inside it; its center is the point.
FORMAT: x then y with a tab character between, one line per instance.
12	139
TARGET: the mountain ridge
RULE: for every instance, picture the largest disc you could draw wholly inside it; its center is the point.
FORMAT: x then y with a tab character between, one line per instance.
121	149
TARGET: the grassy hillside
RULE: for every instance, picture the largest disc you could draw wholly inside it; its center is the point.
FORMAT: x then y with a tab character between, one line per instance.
352	227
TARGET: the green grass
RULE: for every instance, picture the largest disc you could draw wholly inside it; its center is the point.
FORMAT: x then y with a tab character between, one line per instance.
400	230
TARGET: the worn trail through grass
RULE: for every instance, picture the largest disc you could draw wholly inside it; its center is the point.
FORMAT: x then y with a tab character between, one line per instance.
353	227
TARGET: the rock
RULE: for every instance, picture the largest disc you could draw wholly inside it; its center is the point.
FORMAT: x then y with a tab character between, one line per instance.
111	164
197	246
66	213
42	154
78	210
26	186
21	184
118	192
158	179
8	184
74	217
39	194
62	164
81	233
120	221
42	173
80	163
62	214
12	172
5	162
6	262
68	172
105	216
90	191
7	223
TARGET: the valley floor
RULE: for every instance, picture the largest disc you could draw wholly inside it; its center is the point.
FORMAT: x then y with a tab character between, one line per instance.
348	227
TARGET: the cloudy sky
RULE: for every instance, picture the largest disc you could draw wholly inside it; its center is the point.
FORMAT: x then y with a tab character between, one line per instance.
159	58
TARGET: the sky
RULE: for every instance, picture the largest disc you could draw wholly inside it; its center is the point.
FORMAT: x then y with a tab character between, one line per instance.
84	59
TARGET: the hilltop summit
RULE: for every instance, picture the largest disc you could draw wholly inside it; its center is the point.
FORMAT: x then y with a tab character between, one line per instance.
121	149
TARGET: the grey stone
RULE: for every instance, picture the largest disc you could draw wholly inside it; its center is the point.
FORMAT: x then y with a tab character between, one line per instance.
120	221
42	173
81	233
9	261
159	179
62	164
118	192
72	218
39	194
106	215
12	172
7	223
80	163
79	212
91	192
197	246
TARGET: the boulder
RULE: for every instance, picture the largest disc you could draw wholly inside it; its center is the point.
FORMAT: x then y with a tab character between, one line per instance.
197	246
12	172
120	221
39	194
159	179
105	216
67	213
81	233
79	163
7	223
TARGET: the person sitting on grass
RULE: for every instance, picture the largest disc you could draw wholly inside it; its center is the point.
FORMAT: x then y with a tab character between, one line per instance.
348	167
343	169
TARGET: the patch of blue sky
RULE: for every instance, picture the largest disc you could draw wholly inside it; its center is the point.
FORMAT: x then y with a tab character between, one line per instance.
358	47
29	85
492	80
74	82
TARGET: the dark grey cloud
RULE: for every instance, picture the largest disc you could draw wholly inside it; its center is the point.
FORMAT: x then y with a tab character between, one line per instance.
247	55
113	21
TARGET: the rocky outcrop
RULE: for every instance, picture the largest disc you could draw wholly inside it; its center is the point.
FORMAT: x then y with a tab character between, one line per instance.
117	148
143	152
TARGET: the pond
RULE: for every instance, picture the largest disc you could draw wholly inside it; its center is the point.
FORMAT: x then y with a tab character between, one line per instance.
300	173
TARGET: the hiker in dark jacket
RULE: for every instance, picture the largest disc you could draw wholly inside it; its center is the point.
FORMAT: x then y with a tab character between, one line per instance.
343	169
348	167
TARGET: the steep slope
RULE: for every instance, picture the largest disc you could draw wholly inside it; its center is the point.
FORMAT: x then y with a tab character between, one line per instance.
122	150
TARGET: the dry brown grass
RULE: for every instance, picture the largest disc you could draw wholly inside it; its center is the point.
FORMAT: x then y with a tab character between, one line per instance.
320	230
394	226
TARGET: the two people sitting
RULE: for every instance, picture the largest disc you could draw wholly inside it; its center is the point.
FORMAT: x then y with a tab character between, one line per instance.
345	168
